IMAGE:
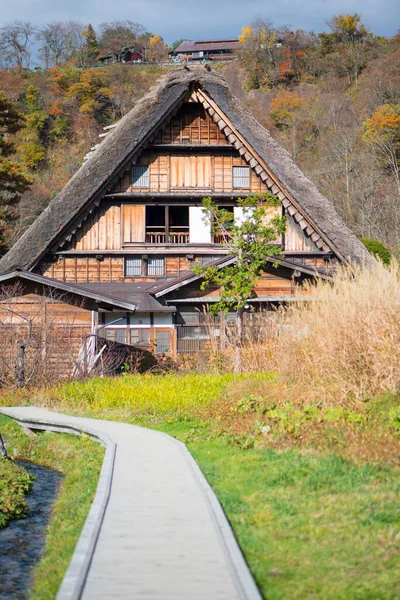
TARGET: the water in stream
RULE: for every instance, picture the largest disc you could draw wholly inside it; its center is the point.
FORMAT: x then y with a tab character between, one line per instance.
22	541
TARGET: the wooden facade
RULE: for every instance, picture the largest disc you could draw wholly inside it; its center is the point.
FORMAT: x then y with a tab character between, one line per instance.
188	159
138	239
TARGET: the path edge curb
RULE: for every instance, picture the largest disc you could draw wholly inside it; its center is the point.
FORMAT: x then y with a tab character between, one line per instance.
74	580
243	577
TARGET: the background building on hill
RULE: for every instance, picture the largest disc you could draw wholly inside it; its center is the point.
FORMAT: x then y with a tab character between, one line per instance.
204	50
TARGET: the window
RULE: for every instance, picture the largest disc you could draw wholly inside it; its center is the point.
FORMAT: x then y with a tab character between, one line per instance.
120	336
240	177
115	335
138	267
140	336
140	176
133	267
163	342
155	266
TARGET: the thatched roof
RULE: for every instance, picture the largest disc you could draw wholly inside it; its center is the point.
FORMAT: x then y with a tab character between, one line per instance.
95	177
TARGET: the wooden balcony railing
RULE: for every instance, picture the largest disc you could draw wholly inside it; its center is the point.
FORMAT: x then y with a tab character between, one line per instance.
220	238
176	235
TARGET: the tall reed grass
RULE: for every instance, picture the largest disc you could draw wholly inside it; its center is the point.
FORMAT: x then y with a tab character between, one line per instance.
341	340
345	340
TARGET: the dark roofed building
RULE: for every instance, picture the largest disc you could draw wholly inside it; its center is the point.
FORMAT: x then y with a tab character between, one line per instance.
124	232
203	50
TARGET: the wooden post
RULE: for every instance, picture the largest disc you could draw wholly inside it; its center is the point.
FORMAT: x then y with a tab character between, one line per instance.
166	222
20	366
239	340
3	450
85	357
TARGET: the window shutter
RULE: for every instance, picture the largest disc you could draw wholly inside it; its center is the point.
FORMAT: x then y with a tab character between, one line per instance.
134	217
240	177
155	266
133	267
141	176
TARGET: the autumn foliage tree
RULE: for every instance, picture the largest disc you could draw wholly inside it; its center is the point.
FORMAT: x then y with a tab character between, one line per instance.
273	56
156	50
382	132
13	179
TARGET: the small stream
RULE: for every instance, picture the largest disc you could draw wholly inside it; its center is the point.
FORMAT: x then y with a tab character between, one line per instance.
22	541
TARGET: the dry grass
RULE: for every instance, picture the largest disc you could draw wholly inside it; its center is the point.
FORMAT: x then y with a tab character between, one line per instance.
345	343
342	343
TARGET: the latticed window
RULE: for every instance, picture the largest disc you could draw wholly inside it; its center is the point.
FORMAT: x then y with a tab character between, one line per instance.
140	176
155	266
133	267
140	336
120	336
240	177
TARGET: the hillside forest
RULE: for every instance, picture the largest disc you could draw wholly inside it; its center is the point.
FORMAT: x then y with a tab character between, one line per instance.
332	99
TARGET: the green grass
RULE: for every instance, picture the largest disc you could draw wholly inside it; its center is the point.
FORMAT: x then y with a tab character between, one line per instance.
79	460
150	394
310	526
312	491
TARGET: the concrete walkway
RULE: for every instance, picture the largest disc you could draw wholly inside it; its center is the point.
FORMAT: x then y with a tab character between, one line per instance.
155	529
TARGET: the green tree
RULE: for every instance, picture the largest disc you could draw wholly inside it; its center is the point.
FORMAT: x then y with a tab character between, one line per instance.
32	149
13	179
250	240
91	48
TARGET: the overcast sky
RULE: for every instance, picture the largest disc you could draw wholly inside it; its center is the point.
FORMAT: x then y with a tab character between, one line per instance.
196	19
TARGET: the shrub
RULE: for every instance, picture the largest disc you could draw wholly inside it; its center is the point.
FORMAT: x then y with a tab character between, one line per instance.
15	482
378	250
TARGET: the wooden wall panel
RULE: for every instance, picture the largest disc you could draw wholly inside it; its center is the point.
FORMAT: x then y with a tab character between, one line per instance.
82	269
100	231
190	172
295	238
134	223
170	171
44	308
191	125
61	327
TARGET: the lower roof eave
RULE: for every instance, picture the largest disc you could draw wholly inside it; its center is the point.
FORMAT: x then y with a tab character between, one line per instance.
257	300
102	300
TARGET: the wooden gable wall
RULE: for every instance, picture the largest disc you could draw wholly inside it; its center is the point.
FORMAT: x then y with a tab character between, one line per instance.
191	154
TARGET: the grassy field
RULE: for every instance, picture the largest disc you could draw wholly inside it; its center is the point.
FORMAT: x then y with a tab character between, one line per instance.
79	460
312	491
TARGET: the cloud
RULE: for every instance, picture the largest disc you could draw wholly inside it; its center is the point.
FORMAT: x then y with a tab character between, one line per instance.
174	19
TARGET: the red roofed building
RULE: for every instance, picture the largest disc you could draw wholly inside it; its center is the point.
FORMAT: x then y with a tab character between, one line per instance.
207	50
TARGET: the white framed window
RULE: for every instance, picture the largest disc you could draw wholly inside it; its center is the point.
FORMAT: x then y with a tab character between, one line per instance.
240	177
133	267
155	266
140	176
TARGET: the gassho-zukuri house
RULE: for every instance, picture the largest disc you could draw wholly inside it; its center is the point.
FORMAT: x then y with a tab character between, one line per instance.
117	244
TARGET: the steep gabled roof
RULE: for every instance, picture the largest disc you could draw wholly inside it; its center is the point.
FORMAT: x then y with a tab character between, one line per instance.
95	177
